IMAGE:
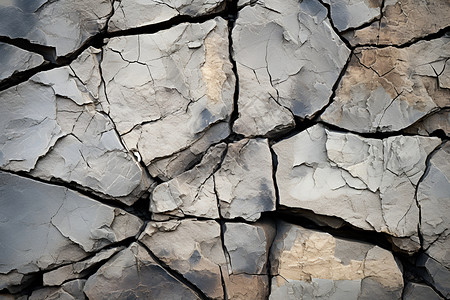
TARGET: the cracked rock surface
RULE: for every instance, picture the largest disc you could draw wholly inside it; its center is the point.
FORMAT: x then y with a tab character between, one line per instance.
212	149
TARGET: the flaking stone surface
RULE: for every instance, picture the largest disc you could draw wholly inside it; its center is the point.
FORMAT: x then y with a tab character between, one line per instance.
132	13
168	90
58	224
50	126
316	265
64	25
371	182
389	89
403	21
288	58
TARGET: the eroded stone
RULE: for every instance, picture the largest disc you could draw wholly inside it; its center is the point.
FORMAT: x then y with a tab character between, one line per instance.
371	182
244	182
131	274
132	14
389	89
58	224
192	248
63	25
177	81
403	21
313	264
288	58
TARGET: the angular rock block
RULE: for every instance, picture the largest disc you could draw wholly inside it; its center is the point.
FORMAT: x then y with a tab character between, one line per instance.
133	274
310	264
288	58
389	89
49	125
63	25
43	226
371	183
433	196
170	91
244	182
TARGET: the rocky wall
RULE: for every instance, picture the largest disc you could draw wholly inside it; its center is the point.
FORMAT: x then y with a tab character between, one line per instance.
224	149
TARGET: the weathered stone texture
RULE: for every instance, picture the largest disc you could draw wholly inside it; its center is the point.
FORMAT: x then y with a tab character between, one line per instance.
314	264
58	224
370	182
288	58
64	25
403	21
389	89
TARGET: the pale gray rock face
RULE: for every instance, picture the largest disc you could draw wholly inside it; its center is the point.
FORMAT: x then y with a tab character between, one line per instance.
244	182
177	81
435	274
370	182
50	126
353	13
77	270
433	196
417	291
131	13
247	247
133	274
389	89
288	58
60	225
14	59
309	264
192	248
64	24
403	21
191	193
72	290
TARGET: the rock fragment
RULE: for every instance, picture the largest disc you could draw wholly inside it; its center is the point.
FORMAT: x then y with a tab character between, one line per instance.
78	269
72	290
15	60
433	196
58	224
191	193
371	182
347	14
438	122
244	182
192	248
133	14
177	81
417	291
435	274
389	89
63	25
51	127
313	264
132	274
288	58
402	22
247	248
